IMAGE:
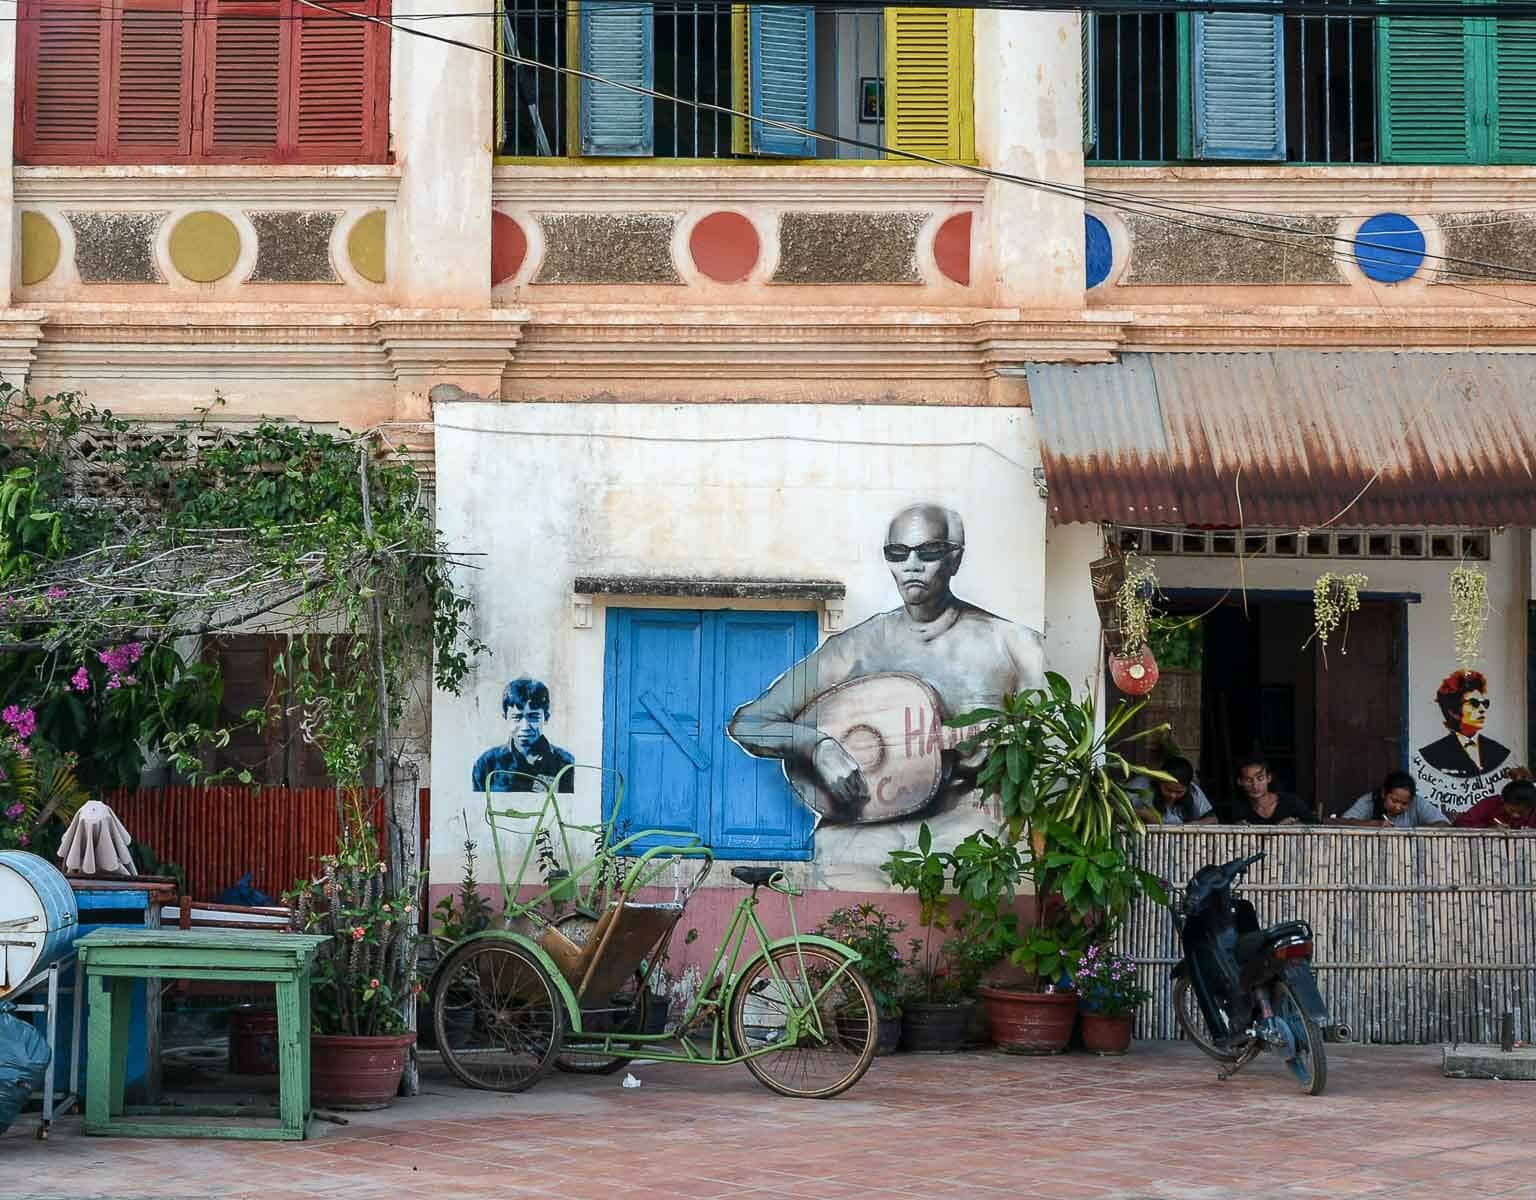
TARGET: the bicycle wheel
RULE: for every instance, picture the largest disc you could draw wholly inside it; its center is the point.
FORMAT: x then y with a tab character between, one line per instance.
1186	1011
627	1013
498	1018
818	1063
1310	1066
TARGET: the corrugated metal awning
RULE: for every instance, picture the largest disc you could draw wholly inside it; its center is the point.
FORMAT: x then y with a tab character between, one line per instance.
1292	437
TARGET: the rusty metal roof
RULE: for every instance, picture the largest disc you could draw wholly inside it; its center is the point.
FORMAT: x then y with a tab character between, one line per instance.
1290	438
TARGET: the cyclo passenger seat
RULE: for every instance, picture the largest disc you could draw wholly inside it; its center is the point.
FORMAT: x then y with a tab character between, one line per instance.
756	876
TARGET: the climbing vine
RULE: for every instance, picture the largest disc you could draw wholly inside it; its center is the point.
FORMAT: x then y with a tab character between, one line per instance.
1469	611
1133	605
123	545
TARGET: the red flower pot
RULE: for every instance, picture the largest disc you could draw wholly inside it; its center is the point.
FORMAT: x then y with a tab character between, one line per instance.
1030	1022
1135	674
1107	1035
356	1073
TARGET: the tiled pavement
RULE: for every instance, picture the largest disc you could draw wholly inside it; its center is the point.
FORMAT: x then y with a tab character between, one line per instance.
1155	1125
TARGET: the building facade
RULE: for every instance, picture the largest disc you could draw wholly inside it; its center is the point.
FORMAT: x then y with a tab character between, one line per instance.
702	392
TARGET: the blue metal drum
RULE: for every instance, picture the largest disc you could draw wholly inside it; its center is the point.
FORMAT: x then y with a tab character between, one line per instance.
39	918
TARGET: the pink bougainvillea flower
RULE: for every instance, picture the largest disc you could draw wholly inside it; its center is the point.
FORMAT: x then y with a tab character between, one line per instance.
114	683
15	810
357	933
57	593
80	680
23	721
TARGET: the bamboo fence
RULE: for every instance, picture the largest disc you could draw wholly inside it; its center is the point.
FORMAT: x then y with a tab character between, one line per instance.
1421	936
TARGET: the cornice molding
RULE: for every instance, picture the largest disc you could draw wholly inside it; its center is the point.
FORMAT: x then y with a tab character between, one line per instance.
335	187
1334	190
680	187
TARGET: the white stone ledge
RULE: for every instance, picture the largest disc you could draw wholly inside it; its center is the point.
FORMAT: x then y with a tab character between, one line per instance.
746	183
232	185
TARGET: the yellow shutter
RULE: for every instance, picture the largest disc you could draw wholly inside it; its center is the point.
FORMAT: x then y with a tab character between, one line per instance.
928	70
741	80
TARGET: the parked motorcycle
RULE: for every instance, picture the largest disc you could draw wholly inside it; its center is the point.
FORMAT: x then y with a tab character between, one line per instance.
1241	989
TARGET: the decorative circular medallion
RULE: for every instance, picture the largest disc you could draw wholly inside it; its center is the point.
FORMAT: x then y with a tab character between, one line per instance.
509	247
1098	251
1389	248
725	247
39	248
204	246
366	246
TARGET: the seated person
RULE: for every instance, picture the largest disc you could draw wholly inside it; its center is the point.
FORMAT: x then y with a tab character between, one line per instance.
1257	802
1176	801
1396	804
1515	808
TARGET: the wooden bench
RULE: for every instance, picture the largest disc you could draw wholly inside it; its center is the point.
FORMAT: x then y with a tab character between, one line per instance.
113	958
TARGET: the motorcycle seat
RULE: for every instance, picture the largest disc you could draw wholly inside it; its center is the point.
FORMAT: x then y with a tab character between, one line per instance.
1251	944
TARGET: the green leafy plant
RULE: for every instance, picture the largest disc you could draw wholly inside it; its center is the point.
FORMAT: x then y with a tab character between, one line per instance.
1045	756
1334	597
871	932
369	966
1106	983
931	977
463	912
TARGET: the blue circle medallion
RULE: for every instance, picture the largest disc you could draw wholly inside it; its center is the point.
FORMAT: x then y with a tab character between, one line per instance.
1389	248
1099	256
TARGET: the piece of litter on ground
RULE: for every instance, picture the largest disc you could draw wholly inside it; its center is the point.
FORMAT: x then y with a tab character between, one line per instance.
631	1081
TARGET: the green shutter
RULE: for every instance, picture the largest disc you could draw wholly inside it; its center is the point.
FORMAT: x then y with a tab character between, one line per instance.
1429	80
1511	91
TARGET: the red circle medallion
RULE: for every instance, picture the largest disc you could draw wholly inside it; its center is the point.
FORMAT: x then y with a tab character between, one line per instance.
952	248
725	246
509	246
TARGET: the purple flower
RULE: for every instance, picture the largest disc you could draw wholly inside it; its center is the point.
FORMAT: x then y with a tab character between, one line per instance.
15	810
115	682
119	658
80	680
23	721
57	593
1093	952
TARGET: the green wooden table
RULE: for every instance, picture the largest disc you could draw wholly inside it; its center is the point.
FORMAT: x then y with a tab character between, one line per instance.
113	958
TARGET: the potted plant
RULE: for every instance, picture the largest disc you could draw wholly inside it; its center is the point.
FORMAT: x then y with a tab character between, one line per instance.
1110	995
358	1036
458	915
871	932
939	998
1058	776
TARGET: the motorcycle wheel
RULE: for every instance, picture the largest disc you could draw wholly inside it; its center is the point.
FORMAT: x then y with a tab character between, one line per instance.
1186	1011
1310	1066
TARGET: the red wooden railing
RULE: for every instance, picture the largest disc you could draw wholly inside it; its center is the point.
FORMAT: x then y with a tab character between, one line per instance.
217	834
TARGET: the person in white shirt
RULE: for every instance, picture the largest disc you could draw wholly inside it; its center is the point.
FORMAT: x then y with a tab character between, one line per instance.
1175	801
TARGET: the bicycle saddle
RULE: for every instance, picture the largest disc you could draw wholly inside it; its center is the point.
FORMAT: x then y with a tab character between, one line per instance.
755	876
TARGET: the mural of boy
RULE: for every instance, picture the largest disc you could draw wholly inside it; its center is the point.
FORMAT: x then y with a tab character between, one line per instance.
528	761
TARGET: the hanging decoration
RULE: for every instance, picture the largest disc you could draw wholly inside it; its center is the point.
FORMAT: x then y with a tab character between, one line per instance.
1469	611
1334	597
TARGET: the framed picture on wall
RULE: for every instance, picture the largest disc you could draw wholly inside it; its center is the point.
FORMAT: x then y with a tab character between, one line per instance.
871	98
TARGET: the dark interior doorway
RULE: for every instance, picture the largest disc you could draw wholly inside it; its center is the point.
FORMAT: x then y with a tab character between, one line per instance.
1251	683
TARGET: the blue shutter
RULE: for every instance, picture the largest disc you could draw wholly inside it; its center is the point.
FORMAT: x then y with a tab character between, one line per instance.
756	814
1239	93
660	716
616	42
782	41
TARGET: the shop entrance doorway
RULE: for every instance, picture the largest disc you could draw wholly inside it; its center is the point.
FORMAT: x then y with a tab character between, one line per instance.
1246	681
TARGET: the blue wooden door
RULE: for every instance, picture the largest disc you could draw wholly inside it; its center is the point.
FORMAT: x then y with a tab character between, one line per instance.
755	814
672	680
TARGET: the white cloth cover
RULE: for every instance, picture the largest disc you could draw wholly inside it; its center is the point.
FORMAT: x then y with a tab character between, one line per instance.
96	842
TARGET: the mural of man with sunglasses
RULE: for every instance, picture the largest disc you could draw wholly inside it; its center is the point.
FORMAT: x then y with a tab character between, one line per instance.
966	655
1464	752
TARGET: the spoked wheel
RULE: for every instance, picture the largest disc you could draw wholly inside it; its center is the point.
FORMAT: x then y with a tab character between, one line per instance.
1186	1010
498	1018
836	1039
1310	1066
627	1013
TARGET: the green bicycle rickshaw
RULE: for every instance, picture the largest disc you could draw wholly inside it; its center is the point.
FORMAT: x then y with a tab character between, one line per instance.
563	981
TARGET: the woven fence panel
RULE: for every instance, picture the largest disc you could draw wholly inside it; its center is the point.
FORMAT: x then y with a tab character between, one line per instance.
1422	937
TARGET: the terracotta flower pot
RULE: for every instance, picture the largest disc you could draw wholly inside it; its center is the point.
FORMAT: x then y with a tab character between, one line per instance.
356	1073
1030	1022
1107	1035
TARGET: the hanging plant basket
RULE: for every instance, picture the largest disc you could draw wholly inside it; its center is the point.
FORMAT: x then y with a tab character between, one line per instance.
1136	674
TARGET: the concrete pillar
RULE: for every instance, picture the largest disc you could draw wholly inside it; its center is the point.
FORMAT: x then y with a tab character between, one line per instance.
441	122
1029	122
9	250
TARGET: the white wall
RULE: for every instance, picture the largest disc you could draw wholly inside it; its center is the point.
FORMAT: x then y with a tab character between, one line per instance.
1072	638
542	493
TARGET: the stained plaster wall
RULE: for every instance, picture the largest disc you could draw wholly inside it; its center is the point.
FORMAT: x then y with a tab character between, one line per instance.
1429	653
543	493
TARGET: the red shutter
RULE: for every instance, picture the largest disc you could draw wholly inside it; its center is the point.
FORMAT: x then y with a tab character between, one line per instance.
61	85
246	50
340	63
152	81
